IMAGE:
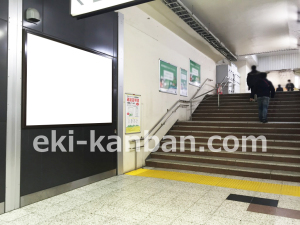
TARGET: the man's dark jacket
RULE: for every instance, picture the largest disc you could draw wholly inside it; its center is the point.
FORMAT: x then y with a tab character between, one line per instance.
252	78
290	86
279	89
264	88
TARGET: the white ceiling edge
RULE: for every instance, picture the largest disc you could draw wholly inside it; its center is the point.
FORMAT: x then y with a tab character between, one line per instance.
251	59
294	25
282	52
165	16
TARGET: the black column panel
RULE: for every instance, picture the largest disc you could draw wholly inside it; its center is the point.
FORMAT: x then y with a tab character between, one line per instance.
58	22
102	28
3	9
3	104
40	171
3	70
38	5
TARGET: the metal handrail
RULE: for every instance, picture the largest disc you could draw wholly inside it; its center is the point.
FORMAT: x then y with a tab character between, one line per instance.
179	101
163	117
207	79
168	110
174	111
222	84
190	102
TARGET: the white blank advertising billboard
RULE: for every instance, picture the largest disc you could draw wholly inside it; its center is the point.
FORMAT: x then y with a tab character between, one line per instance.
66	85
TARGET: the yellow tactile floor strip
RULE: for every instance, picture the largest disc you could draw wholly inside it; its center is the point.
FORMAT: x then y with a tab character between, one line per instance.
220	182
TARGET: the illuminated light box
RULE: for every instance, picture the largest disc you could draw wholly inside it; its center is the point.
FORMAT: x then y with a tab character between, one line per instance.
83	7
64	85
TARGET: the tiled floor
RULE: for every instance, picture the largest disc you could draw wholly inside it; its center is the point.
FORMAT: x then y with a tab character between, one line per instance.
138	200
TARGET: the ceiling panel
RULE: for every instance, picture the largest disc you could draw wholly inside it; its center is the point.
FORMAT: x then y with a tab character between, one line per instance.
249	26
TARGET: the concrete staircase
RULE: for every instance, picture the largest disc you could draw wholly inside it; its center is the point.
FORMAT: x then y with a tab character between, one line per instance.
239	117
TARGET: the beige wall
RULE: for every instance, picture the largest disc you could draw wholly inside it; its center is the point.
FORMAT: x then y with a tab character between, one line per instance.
281	78
243	68
147	41
297	81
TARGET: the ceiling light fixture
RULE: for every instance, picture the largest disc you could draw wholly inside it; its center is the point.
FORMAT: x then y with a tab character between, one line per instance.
293	40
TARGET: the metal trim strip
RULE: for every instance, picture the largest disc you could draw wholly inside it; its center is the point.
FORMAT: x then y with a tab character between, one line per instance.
120	129
14	101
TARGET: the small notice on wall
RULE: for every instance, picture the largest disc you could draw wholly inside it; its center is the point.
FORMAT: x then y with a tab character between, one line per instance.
195	73
133	113
184	83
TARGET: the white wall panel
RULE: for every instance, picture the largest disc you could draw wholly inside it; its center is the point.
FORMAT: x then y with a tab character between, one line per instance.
147	41
279	62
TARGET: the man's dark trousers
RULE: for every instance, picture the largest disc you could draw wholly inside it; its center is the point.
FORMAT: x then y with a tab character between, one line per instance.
252	93
263	104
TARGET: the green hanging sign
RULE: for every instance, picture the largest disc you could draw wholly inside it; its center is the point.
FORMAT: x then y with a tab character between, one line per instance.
167	78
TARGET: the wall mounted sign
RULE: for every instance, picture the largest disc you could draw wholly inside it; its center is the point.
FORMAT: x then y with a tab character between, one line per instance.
93	7
195	73
133	114
167	77
184	83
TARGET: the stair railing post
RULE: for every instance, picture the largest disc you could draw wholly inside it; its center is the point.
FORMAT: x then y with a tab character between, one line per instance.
191	109
136	155
218	92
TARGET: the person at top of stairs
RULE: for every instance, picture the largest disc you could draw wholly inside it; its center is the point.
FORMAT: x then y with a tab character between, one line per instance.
263	89
290	86
252	78
279	88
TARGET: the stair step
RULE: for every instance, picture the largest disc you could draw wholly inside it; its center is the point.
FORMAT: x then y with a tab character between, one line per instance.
238	123
238	129
285	93
245	119
271	136
276	148
253	104
271	165
214	106
243	114
277	94
247	98
264	156
247	101
237	134
245	110
272	144
224	169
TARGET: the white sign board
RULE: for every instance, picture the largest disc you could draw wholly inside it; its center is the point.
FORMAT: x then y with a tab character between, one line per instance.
66	85
133	114
79	7
168	75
